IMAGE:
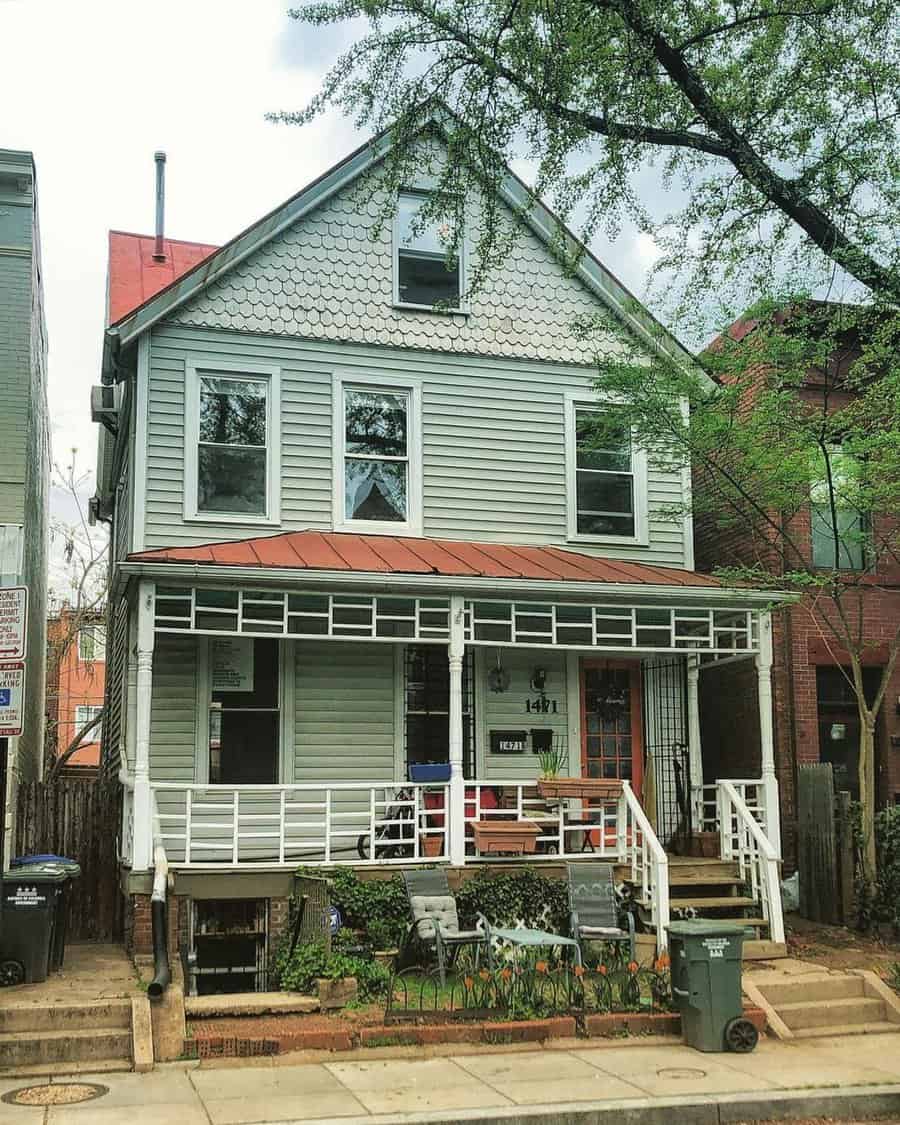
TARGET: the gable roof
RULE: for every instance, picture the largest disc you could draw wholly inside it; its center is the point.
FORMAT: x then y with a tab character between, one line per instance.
390	554
135	276
589	270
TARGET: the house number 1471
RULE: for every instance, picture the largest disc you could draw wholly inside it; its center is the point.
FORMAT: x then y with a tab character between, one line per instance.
541	706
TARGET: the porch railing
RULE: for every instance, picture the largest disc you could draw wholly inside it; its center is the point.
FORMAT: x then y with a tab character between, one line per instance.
743	840
569	828
706	803
286	825
640	848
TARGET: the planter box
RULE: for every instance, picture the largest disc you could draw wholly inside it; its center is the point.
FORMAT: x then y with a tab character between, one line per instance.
583	788
513	837
431	846
336	993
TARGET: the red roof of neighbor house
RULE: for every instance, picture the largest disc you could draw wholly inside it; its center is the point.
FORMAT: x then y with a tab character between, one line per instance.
134	277
389	554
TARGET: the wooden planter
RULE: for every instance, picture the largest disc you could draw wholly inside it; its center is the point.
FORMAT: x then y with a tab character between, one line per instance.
431	846
512	837
583	788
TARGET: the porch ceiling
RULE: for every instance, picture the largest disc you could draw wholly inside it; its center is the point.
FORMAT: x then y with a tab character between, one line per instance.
406	556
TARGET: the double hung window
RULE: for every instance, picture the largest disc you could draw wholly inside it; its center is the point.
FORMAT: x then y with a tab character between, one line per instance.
84	714
607	478
425	276
92	643
839	527
376	485
231	448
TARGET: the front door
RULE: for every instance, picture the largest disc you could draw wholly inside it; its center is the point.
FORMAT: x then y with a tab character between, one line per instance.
611	729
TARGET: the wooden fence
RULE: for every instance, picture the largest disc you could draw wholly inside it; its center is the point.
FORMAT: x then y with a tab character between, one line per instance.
825	857
78	818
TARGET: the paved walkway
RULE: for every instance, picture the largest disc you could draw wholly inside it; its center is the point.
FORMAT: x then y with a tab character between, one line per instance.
563	1080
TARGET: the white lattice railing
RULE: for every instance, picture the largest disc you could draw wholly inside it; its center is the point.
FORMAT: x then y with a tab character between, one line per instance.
283	825
706	803
569	827
640	848
743	840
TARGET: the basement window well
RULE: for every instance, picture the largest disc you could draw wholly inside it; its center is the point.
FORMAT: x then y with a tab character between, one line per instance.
230	942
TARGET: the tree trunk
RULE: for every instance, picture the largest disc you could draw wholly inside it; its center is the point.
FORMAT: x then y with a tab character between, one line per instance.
867	790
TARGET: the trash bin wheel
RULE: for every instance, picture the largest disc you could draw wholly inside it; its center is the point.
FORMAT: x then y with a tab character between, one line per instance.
11	972
741	1035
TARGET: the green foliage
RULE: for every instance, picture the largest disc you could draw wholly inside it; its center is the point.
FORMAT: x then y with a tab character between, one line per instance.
376	907
298	972
773	118
886	898
521	899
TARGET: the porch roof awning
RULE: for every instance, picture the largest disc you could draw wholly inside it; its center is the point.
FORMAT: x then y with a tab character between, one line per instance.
407	556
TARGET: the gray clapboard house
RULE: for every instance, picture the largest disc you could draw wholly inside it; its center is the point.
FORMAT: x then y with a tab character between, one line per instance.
24	457
365	570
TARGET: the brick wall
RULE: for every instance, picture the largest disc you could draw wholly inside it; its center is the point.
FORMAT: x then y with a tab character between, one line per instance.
139	926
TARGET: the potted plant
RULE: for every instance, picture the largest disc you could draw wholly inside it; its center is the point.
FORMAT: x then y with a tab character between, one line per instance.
509	837
550	762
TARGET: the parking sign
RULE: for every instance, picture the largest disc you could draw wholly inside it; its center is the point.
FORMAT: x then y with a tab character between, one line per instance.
12	693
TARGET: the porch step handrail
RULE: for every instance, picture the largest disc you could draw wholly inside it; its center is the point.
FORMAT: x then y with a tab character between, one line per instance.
640	847
744	840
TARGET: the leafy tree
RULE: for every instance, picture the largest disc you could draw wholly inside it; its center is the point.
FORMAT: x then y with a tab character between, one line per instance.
794	446
774	120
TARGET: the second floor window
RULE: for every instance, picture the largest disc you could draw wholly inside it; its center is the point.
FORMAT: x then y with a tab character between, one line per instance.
231	457
839	529
92	643
231	445
424	277
376	455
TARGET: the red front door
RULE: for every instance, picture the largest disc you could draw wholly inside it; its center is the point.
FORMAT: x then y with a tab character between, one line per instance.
611	730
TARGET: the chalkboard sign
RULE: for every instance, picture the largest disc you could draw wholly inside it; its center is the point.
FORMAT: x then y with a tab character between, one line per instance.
508	741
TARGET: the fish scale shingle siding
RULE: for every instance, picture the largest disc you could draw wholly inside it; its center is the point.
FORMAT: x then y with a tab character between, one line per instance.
326	277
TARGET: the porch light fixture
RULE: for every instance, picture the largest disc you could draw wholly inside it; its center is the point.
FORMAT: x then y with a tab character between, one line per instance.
498	677
539	680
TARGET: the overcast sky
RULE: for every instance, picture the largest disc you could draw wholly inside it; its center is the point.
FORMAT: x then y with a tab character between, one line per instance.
94	88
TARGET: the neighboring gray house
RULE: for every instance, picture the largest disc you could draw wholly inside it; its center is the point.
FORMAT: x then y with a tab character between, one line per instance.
365	569
24	452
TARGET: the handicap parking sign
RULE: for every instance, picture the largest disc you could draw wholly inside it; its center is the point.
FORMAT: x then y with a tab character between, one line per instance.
5	697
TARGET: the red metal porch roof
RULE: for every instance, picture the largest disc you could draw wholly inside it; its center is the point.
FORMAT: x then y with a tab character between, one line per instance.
134	277
389	554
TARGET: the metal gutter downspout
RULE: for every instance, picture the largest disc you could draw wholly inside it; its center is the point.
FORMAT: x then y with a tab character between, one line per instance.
159	911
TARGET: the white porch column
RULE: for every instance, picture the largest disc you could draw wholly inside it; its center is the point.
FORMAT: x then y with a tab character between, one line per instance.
695	747
456	827
142	851
767	731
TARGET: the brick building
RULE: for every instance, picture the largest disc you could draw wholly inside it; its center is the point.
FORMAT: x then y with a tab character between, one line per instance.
816	717
76	674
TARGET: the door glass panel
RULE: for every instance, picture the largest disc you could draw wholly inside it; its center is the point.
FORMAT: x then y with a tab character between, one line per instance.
608	737
244	715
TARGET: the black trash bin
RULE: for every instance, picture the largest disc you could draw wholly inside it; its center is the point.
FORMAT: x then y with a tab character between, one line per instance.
61	919
28	910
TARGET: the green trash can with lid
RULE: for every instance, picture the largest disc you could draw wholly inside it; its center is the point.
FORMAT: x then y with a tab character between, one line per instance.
28	912
706	984
72	870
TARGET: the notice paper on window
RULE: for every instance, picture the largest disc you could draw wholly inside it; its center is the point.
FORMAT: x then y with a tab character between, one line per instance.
231	663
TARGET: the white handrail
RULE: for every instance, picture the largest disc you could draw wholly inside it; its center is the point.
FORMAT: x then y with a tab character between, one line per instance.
649	862
756	857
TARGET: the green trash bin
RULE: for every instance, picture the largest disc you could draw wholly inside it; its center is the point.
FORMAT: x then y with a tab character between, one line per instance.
706	984
28	911
72	870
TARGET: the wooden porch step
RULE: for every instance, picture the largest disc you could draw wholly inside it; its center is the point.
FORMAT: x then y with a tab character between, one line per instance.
679	878
717	902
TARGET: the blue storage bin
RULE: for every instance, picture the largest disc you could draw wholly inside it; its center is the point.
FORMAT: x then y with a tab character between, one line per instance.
431	771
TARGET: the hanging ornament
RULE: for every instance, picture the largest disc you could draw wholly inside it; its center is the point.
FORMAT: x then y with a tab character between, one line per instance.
612	698
498	678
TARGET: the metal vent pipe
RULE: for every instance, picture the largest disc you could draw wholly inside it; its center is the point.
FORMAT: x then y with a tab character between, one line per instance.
159	250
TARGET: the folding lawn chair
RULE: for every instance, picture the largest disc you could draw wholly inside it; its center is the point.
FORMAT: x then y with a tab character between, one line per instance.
594	910
435	920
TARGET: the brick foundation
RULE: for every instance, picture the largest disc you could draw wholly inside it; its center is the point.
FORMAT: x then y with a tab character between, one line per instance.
139	926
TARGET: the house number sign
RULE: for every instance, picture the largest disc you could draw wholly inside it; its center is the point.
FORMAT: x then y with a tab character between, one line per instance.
541	705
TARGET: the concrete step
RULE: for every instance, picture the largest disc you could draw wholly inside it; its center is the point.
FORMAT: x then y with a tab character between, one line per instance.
832	1013
101	1014
763	950
880	1027
811	989
86	1045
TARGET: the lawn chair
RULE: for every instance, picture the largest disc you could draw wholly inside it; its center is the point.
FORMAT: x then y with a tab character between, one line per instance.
435	920
594	910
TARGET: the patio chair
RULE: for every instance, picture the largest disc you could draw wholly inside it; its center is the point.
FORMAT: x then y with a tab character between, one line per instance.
594	910
435	920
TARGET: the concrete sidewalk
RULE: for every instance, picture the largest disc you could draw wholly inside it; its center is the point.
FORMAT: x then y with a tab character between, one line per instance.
562	1084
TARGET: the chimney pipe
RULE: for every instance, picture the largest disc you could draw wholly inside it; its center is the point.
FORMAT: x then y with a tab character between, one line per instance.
159	251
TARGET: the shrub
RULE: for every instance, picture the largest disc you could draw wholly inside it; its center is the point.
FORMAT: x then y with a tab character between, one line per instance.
523	898
299	971
377	907
886	892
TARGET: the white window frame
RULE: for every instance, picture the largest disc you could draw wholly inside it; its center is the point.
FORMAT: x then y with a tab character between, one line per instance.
361	381
196	370
463	307
641	538
94	629
94	735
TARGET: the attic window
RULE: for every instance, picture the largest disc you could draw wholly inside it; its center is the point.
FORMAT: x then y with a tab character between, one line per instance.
425	278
